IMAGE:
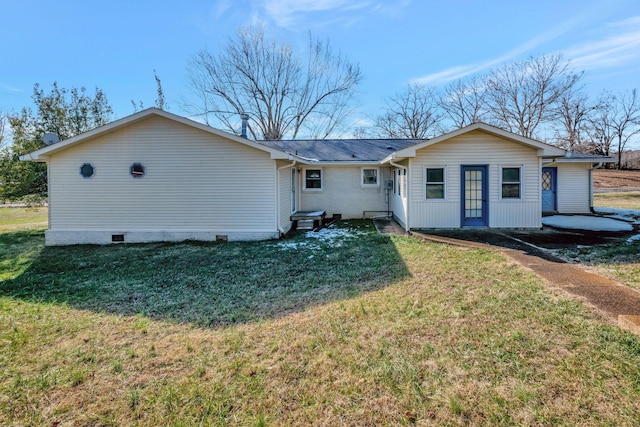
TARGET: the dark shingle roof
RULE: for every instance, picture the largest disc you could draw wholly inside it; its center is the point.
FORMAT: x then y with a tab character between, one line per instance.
341	150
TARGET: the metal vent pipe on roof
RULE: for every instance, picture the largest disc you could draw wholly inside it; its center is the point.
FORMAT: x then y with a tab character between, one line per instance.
245	119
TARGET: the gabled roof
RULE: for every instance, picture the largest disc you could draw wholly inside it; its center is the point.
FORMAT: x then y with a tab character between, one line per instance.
340	151
325	151
43	153
544	150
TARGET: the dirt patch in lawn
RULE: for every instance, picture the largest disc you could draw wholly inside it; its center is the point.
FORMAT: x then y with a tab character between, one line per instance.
546	238
610	179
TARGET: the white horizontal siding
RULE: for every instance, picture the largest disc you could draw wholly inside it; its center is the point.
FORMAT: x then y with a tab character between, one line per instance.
514	215
573	188
284	190
475	148
192	181
342	192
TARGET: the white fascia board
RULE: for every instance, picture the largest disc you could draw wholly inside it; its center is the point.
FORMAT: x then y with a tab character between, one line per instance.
320	163
394	158
550	153
585	160
29	157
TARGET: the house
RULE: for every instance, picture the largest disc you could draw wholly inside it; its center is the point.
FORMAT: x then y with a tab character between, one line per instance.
157	176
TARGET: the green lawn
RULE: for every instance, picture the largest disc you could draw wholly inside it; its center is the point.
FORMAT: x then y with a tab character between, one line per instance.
361	329
21	218
624	200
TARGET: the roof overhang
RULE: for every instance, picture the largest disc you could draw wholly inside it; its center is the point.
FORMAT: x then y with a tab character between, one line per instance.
336	163
43	154
603	159
542	149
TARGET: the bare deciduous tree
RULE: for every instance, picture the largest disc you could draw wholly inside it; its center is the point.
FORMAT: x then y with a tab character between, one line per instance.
573	117
625	119
413	113
522	95
464	102
160	102
615	123
264	79
600	132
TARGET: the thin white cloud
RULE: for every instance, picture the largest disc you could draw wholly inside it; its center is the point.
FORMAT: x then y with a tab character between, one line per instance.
461	71
619	45
289	13
221	7
285	12
8	89
450	74
612	49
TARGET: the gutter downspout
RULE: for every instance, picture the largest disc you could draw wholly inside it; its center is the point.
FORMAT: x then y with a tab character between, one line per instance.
278	226
406	226
597	166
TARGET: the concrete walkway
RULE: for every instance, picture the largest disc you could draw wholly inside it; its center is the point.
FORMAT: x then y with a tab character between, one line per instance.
619	303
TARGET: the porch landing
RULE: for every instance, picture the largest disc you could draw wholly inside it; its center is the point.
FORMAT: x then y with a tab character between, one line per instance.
310	220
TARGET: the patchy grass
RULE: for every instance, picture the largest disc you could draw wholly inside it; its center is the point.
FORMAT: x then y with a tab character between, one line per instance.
618	261
21	218
358	329
623	199
21	239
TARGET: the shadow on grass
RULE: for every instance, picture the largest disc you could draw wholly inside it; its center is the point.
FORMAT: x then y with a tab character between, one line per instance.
210	284
608	245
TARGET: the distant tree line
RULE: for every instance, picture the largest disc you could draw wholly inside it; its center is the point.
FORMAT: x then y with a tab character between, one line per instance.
286	95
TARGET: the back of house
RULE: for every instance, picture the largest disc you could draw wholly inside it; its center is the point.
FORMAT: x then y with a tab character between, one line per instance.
156	176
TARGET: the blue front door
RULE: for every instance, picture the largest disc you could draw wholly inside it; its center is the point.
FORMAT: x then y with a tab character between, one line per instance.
549	185
474	193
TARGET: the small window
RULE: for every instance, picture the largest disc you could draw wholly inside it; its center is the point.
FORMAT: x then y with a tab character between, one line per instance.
137	170
546	181
313	179
434	183
87	170
370	177
511	183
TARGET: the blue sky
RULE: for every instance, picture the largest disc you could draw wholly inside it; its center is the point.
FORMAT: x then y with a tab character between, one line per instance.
115	45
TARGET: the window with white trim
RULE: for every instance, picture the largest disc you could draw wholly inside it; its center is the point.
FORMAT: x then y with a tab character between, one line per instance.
313	179
434	183
511	182
369	177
